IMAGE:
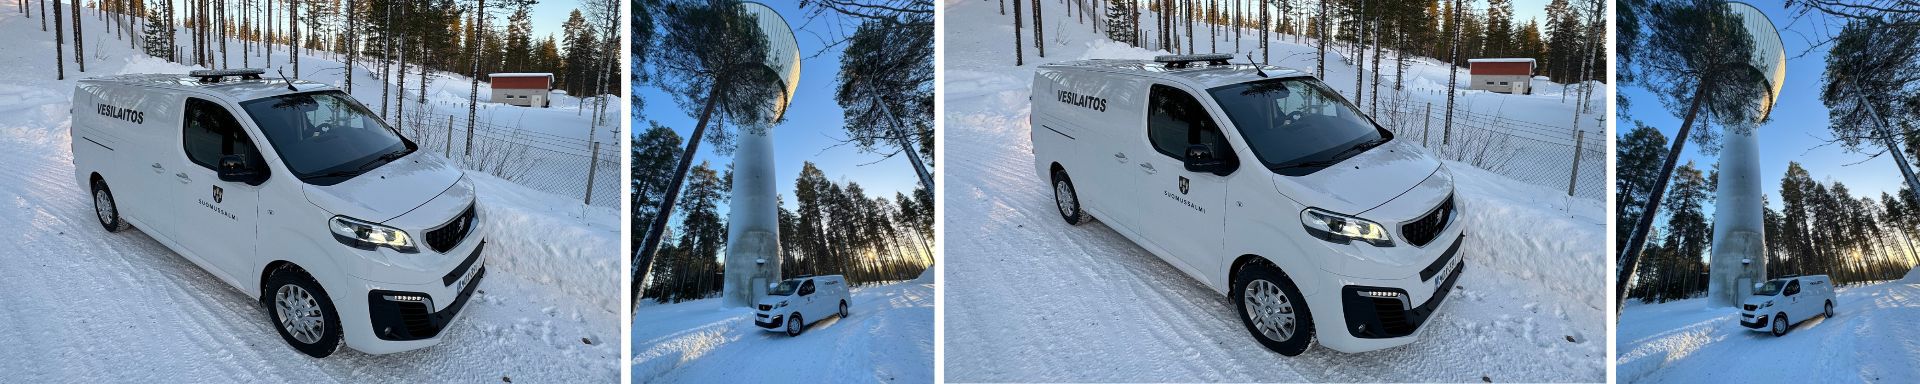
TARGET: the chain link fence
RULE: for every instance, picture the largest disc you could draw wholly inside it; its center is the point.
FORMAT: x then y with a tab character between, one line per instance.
568	166
1561	157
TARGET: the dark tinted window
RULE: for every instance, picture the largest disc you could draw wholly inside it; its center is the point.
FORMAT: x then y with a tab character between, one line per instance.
1175	120
1793	288
210	132
806	288
325	137
1297	125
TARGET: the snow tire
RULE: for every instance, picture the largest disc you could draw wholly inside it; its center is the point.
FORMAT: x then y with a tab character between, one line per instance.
1303	334
329	341
1066	199
106	208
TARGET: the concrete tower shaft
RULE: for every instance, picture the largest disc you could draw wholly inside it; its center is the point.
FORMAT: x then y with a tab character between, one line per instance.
753	225
1739	233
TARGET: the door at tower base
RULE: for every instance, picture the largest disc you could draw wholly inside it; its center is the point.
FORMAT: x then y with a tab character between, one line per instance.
752	263
1743	262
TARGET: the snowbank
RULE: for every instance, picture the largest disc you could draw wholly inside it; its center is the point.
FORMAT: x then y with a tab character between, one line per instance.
1867	340
1912	277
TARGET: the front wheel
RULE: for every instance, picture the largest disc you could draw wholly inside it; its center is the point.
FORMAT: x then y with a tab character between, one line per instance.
1272	309
1067	200
1779	324
302	312
795	325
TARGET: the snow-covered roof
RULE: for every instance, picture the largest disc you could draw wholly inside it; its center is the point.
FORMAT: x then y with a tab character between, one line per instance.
1502	60
520	74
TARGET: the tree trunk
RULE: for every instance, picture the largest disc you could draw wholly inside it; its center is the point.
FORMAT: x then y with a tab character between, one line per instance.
1636	240
59	48
79	54
651	242
1019	58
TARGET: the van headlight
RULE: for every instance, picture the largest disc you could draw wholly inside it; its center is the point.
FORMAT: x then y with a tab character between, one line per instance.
367	235
1338	228
1768	305
783	304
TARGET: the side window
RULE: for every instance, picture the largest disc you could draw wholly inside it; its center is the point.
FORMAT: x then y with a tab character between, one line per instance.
806	288
1793	288
1176	120
210	132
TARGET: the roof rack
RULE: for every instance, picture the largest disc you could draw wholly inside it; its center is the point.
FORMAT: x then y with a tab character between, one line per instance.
1185	61
210	76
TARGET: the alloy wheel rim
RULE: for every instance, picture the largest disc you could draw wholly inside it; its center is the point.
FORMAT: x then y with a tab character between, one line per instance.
299	313
1270	309
103	206
792	328
1063	196
1779	325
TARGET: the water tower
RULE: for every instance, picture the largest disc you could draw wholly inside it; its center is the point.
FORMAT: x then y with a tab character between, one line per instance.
1739	236
753	226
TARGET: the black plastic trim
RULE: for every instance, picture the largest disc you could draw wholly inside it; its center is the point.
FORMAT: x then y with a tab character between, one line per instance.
462	269
1427	273
1389	318
769	324
1760	321
400	320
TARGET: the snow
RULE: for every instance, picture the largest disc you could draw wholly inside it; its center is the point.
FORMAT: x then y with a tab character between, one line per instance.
1869	339
887	338
1912	277
84	303
1028	298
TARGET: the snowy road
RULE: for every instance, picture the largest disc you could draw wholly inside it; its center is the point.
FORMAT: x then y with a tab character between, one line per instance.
79	304
1029	298
1870	339
888	338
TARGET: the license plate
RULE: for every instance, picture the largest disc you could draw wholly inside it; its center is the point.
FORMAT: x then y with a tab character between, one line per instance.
461	285
1441	278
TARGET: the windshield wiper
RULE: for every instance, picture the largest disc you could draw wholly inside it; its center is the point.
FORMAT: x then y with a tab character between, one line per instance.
1337	157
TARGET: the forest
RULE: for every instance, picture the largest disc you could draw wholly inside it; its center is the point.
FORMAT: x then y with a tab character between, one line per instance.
395	39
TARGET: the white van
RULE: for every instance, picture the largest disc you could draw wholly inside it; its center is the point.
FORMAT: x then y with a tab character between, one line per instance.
1262	183
1778	304
793	304
290	191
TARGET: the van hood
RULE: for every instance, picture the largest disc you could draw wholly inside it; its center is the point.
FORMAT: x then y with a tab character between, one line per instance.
1757	300
771	300
390	190
1364	181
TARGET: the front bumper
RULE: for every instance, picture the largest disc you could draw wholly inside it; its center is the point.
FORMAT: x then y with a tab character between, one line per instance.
1754	322
1385	313
768	322
402	317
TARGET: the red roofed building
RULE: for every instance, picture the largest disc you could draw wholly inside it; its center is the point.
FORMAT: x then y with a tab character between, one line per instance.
1501	75
522	89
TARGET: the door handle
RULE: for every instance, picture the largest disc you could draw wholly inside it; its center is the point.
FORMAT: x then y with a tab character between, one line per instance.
1120	157
183	177
157	168
1148	167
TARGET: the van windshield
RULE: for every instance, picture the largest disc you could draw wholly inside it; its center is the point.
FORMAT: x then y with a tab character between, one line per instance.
1770	288
1297	126
785	288
326	137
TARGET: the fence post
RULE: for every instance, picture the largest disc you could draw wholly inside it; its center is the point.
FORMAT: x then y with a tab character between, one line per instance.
593	164
1579	137
1426	125
449	145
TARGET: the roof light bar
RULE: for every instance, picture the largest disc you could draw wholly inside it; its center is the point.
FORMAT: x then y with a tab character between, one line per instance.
1184	61
215	75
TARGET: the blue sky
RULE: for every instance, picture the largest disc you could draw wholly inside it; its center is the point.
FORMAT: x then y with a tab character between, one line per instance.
814	124
1799	123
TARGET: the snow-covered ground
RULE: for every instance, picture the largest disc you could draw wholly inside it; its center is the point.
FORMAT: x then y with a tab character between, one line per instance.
1029	298
81	304
1870	339
887	338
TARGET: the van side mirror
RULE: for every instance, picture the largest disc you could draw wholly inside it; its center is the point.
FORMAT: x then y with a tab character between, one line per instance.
1202	159
238	169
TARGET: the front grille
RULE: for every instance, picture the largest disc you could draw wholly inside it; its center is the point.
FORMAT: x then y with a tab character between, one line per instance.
1393	316
765	307
1751	307
447	235
1421	231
